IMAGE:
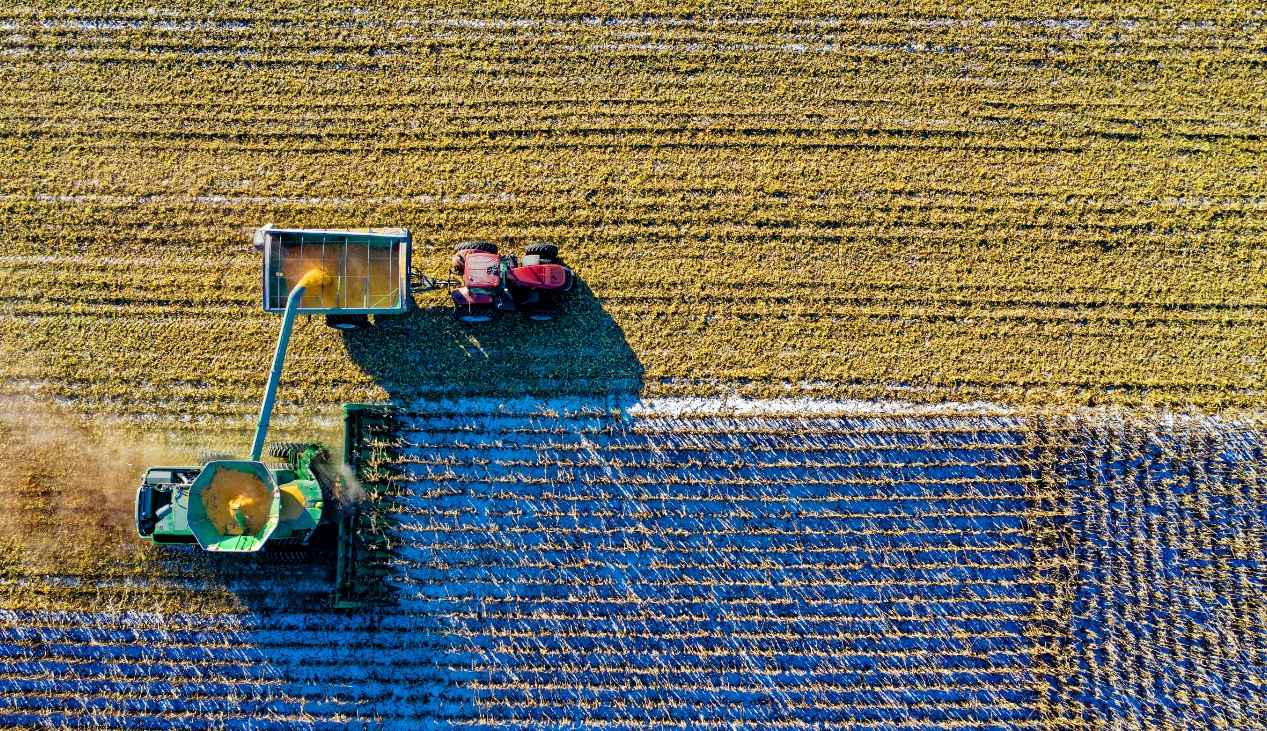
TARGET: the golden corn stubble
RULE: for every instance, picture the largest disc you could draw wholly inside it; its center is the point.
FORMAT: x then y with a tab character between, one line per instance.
237	503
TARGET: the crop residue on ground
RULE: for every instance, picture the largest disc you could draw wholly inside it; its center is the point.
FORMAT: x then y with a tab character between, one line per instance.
939	568
1001	202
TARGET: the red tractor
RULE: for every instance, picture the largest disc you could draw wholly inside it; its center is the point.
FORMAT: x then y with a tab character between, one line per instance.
493	283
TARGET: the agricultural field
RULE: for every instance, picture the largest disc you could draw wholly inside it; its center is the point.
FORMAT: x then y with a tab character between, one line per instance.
914	380
1053	205
564	564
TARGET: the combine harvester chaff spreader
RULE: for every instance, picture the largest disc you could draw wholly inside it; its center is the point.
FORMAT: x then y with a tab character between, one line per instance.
245	505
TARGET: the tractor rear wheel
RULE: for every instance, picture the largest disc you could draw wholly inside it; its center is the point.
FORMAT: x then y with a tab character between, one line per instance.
545	251
208	457
475	246
483	313
348	323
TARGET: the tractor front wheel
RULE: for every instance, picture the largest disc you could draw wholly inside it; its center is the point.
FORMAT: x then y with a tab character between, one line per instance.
348	323
479	314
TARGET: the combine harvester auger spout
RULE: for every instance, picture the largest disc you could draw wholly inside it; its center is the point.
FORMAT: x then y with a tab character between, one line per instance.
315	276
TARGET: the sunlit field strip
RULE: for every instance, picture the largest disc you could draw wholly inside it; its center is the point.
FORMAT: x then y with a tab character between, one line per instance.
996	207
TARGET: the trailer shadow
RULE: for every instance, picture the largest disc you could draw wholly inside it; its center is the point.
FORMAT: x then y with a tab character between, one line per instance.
427	353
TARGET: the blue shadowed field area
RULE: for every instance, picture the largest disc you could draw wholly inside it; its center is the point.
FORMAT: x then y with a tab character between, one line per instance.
869	572
711	570
1169	534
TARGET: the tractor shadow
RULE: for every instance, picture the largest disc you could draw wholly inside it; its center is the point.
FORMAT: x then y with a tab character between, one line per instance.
427	353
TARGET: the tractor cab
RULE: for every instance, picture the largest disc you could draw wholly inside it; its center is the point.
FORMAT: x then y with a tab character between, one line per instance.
492	283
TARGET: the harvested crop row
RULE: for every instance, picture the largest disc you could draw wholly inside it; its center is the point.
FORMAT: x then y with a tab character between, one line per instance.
1025	207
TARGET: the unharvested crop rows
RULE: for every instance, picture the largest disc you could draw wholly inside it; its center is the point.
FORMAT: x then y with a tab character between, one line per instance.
1013	204
1169	626
658	577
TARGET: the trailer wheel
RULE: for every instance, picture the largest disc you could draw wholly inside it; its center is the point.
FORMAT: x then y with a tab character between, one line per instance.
545	251
348	323
475	246
476	315
540	315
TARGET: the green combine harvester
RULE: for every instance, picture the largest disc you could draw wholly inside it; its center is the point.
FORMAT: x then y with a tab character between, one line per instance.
298	505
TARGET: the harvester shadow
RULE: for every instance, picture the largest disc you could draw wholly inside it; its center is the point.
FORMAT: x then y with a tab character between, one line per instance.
428	353
286	579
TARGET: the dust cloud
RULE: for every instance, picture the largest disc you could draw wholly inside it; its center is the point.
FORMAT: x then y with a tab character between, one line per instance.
350	490
67	487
